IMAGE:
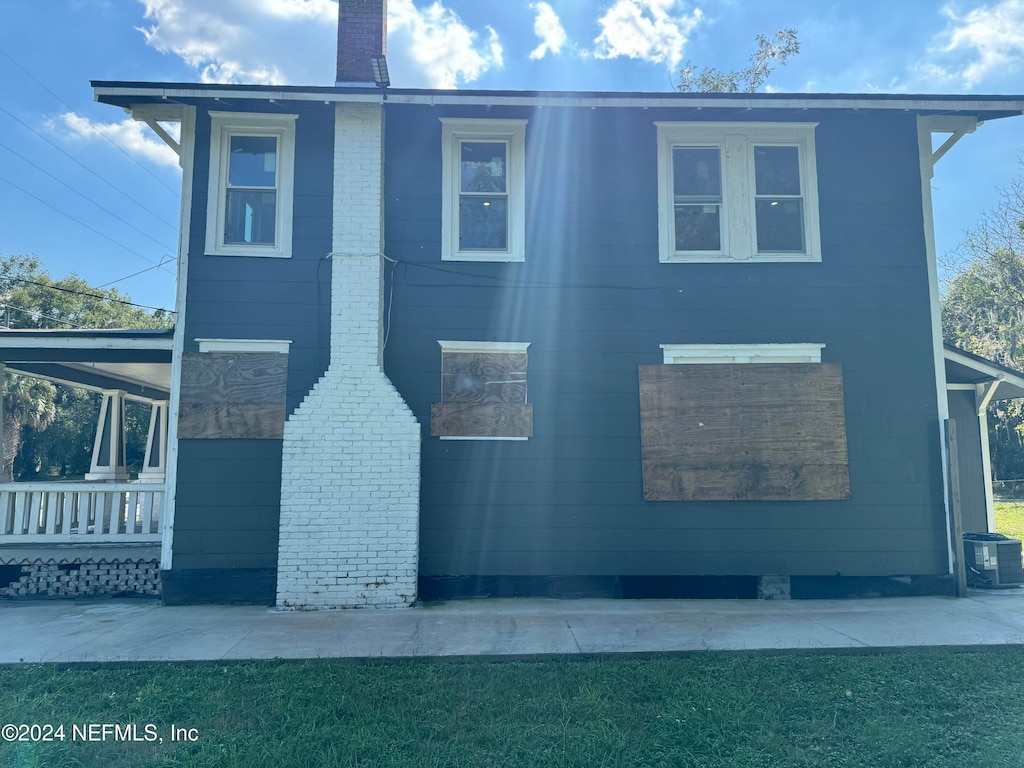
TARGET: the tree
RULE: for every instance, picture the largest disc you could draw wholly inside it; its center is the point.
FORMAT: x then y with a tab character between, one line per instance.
983	312
28	404
30	298
771	52
34	438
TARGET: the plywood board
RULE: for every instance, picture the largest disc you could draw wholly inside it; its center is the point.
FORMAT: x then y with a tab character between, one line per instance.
743	431
483	377
231	395
231	421
481	420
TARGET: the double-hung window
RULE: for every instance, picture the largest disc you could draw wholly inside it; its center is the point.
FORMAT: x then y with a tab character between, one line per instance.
249	211
737	192
483	188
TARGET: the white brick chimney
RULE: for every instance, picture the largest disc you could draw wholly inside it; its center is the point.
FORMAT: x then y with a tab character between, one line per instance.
349	533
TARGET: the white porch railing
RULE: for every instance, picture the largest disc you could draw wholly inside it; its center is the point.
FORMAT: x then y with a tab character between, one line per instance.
83	513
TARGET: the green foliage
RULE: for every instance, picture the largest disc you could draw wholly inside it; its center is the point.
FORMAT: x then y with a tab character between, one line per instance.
983	313
30	298
771	52
48	425
29	405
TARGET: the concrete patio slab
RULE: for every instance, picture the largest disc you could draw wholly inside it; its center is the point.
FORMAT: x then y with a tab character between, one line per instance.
137	630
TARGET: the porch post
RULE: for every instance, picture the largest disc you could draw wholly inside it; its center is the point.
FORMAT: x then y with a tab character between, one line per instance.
154	466
108	455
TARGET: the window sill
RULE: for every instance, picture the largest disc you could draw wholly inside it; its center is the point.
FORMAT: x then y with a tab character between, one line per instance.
478	437
484	256
768	258
260	254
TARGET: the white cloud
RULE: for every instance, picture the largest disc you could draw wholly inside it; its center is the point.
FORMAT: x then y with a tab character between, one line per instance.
294	41
444	49
651	30
986	41
318	10
548	28
251	41
132	136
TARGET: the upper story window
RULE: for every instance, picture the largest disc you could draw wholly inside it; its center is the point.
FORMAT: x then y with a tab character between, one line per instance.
483	190
249	211
737	192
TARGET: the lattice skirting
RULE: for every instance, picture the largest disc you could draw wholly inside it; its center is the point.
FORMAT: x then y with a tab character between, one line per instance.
80	579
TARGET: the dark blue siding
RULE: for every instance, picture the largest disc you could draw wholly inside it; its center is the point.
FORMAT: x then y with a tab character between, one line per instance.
595	304
226	514
228	498
266	298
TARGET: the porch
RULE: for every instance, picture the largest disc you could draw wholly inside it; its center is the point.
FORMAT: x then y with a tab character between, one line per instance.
103	534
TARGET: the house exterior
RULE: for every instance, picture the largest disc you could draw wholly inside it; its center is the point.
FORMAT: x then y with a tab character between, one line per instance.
440	343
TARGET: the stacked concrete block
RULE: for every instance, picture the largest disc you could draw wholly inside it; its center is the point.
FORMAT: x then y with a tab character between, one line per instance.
85	579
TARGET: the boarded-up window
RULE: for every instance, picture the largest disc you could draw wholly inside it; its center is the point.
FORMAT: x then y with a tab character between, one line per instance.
741	431
483	391
233	395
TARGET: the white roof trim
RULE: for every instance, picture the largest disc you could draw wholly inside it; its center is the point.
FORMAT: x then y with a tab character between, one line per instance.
83	342
984	368
244	345
853	101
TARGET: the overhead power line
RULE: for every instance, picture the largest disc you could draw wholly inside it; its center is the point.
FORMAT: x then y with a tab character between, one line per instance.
113	143
110	184
36	313
78	221
85	293
85	197
166	260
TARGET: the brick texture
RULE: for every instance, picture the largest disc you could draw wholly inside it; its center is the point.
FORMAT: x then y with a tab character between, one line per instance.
349	532
362	33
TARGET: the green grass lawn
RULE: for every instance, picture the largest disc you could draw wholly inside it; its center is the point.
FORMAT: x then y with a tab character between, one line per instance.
1010	519
917	707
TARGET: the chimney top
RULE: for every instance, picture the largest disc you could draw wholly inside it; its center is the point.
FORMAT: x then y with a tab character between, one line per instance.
362	33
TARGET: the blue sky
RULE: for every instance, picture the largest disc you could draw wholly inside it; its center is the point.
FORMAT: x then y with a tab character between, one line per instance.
92	192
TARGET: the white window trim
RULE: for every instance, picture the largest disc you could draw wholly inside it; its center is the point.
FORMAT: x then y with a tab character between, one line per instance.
280	346
454	130
223	125
737	141
717	354
483	346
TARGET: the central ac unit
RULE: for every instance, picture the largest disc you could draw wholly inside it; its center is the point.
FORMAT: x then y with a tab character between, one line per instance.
996	557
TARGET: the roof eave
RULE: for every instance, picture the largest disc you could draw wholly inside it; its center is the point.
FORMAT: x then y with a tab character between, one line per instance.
124	94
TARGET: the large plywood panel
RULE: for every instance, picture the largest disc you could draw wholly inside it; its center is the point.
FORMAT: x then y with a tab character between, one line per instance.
758	432
233	395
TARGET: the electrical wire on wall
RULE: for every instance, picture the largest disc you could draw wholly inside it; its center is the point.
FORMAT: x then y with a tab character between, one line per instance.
391	295
320	304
